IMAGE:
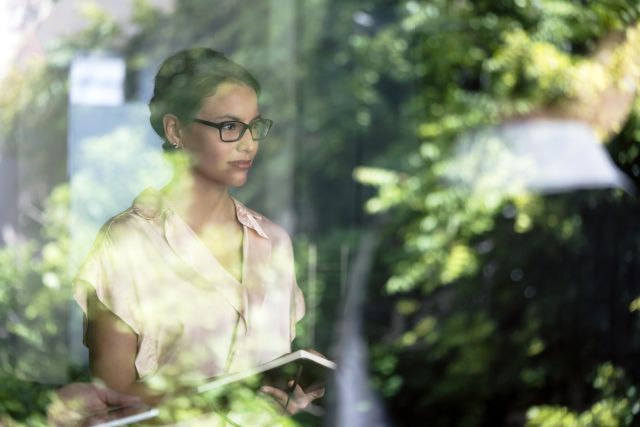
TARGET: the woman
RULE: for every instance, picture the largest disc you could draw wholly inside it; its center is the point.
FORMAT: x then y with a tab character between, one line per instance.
188	283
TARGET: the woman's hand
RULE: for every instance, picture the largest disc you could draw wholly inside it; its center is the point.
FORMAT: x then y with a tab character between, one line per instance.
294	401
295	398
73	403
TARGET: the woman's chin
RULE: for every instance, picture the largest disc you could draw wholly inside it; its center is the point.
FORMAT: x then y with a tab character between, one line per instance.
238	183
233	179
238	178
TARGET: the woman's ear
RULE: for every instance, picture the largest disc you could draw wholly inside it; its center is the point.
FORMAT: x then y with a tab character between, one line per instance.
173	130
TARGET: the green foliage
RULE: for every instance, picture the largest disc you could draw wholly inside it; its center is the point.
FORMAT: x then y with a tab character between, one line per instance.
237	406
472	280
33	301
615	409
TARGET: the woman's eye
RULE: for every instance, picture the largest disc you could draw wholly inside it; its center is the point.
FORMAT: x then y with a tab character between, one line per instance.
230	126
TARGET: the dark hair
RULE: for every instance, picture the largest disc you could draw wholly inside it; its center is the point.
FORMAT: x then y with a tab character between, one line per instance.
185	79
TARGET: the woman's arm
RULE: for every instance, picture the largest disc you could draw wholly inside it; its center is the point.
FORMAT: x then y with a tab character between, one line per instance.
112	352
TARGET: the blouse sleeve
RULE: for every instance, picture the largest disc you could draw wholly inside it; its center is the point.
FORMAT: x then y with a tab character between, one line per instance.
297	309
105	273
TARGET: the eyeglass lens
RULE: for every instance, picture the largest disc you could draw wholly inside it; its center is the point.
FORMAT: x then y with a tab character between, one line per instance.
232	131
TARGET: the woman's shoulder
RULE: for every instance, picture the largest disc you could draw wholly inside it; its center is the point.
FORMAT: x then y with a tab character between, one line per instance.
146	210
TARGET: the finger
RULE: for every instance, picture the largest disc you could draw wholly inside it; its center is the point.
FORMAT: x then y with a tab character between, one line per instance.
275	392
304	396
114	398
298	391
316	394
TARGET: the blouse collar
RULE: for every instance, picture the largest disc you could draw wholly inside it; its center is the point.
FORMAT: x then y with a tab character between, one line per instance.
150	204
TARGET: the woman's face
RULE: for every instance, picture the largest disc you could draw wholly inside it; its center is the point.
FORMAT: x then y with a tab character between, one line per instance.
226	163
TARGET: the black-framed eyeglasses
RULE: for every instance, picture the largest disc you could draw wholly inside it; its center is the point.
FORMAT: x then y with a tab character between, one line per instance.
233	130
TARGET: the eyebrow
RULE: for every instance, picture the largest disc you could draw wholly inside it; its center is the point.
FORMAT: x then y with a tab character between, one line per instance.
232	117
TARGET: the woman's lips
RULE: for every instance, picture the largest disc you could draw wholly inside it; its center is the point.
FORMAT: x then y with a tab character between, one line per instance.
241	164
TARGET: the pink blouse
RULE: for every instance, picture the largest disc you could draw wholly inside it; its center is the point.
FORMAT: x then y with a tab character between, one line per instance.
193	319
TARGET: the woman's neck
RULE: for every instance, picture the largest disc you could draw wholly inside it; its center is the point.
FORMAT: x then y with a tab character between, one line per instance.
199	200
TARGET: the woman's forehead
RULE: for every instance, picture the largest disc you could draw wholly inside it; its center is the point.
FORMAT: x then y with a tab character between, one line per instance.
231	99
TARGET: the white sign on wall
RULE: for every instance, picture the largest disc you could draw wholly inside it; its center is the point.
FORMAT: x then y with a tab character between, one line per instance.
97	80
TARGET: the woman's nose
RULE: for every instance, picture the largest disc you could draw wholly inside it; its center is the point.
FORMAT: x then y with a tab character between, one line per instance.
247	143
